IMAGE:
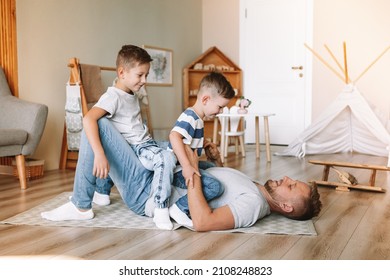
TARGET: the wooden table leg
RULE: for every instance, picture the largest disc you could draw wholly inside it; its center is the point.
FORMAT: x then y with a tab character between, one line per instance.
257	135
215	130
267	141
223	130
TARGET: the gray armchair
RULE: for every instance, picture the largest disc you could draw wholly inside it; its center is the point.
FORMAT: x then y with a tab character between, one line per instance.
21	127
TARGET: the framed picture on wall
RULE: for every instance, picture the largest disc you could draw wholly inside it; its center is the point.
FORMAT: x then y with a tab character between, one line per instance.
160	73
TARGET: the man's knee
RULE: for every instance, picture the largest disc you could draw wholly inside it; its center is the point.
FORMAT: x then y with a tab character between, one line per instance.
212	186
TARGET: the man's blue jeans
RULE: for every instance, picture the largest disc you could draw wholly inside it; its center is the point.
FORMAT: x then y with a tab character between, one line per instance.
211	187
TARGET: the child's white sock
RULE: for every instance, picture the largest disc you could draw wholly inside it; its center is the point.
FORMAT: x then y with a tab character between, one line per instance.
161	218
179	216
66	212
101	199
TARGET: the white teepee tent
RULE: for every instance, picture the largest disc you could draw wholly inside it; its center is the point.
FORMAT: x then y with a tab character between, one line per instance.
348	124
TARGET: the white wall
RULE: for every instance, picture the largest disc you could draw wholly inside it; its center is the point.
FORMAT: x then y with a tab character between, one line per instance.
363	24
365	27
51	32
220	20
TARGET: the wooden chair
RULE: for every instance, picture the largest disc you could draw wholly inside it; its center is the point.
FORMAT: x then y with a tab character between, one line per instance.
90	92
234	130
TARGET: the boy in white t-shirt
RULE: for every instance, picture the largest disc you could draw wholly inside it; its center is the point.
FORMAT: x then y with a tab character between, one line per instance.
121	106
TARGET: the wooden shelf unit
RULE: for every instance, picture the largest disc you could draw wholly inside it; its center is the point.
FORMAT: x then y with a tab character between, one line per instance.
192	78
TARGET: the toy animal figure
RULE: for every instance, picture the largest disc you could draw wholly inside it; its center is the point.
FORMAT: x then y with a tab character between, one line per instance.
346	177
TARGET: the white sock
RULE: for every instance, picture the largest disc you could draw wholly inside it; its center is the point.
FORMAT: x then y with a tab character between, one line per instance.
179	216
161	218
101	199
66	212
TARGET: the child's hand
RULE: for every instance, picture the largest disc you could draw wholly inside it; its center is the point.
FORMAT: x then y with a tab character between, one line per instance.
101	167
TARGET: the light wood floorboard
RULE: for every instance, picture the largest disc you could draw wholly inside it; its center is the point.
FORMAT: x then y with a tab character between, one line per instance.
352	225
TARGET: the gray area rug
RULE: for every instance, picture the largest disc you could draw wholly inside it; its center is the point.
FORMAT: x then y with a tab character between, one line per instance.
117	215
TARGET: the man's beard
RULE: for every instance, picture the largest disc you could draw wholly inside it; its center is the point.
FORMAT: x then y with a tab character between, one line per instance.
268	187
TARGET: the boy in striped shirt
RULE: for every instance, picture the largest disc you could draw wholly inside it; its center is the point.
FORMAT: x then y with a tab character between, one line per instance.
214	94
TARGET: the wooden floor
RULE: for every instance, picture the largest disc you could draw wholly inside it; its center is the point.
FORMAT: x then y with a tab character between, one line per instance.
352	225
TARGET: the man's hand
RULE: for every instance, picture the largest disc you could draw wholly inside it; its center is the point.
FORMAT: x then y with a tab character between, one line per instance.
192	157
192	169
188	174
203	217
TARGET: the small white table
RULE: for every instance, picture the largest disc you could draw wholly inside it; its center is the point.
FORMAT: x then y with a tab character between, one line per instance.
257	116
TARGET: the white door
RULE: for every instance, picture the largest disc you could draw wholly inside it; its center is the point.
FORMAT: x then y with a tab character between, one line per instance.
276	65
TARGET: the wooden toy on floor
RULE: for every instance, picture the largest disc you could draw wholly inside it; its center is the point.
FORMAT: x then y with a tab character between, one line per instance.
348	181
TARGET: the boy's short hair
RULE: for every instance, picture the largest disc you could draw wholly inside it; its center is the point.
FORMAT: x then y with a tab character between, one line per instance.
218	82
130	56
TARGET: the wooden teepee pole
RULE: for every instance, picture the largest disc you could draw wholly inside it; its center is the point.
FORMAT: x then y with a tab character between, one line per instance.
337	62
345	63
371	64
324	62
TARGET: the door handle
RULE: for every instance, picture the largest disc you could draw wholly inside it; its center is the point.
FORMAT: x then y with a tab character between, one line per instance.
297	67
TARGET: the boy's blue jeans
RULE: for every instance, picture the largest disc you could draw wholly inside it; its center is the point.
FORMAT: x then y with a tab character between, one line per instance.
131	178
156	159
211	187
162	162
153	158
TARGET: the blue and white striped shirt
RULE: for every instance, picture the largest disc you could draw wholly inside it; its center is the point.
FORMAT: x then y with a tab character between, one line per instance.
191	127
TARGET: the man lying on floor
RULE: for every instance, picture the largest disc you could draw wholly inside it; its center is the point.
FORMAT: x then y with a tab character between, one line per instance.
241	205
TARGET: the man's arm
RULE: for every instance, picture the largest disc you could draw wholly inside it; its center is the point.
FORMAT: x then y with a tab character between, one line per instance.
203	217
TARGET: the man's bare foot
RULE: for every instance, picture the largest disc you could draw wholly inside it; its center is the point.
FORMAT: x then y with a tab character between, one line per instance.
213	154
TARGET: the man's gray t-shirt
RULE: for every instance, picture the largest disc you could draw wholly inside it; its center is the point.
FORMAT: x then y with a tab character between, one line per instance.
241	195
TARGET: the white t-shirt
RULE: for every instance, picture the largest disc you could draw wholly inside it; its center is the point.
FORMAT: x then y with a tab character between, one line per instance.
125	114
